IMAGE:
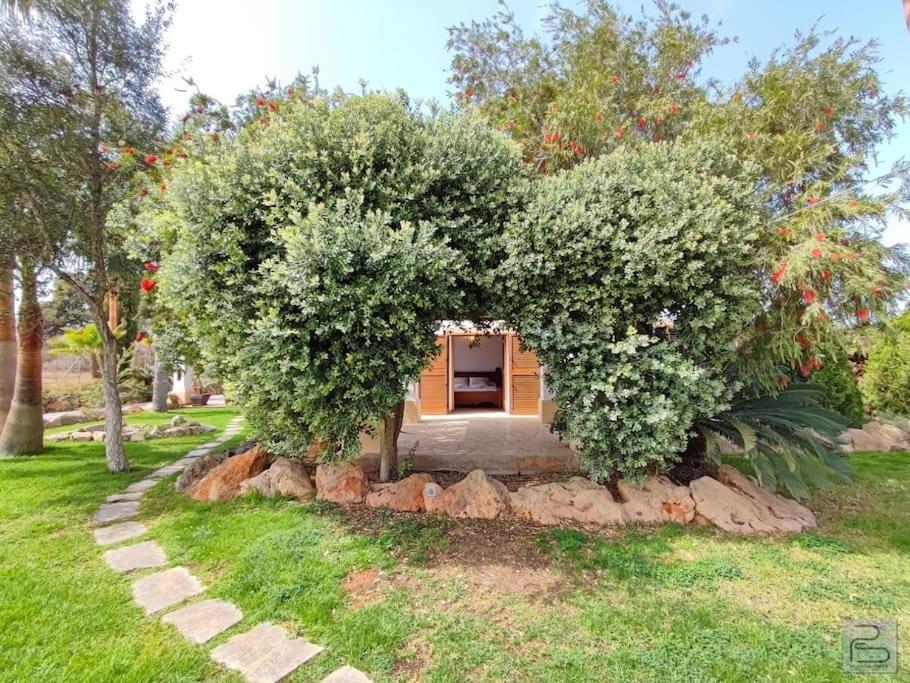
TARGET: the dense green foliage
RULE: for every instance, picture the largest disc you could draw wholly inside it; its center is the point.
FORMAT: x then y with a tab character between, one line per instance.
840	390
311	256
631	277
886	382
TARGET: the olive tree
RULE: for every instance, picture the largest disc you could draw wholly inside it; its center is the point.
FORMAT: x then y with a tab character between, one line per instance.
311	254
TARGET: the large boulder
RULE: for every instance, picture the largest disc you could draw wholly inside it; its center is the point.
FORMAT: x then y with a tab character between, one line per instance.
879	436
340	483
71	417
223	481
741	506
404	496
477	496
577	500
783	513
284	478
198	469
656	500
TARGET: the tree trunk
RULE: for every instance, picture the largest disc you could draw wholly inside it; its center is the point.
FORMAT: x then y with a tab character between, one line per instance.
23	431
389	429
113	409
161	385
96	367
7	339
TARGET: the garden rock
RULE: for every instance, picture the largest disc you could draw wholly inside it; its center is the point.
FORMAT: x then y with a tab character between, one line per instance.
284	478
198	470
656	500
783	513
343	483
477	496
177	420
81	436
878	436
223	481
63	419
578	499
404	496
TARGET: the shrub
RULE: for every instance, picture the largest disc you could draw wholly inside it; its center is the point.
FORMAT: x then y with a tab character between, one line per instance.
604	253
311	257
840	390
886	382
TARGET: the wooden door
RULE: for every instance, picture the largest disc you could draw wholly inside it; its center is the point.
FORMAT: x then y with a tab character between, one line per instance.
525	380
434	383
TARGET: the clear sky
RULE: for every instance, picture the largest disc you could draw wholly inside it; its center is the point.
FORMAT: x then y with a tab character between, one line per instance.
229	47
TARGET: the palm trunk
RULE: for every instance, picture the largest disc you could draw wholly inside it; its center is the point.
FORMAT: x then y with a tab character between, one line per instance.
7	339
23	431
161	385
113	408
389	429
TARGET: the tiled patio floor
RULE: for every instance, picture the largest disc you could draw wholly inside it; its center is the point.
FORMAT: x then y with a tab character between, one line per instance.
493	441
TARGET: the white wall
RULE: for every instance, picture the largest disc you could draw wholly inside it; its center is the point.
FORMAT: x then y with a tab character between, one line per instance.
485	356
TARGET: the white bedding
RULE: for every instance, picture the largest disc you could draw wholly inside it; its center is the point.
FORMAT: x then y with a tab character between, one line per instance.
488	387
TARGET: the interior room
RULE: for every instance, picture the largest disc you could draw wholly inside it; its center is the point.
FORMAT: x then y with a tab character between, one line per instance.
478	372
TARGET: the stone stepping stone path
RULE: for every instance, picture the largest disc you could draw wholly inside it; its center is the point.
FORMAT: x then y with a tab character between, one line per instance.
346	674
265	654
117	533
111	512
204	620
143	555
156	592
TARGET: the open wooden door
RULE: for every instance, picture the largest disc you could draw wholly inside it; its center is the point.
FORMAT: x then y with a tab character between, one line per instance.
434	383
525	380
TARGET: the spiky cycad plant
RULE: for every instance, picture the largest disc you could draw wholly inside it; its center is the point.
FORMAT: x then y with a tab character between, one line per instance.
789	438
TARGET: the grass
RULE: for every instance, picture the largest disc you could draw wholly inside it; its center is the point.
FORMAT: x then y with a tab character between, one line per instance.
667	604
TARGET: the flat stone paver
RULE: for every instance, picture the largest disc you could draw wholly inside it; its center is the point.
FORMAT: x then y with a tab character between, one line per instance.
162	590
143	485
132	557
347	674
204	620
111	512
166	471
264	654
115	533
120	497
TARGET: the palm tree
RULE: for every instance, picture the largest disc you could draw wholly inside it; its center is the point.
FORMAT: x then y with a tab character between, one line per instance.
7	338
84	342
23	431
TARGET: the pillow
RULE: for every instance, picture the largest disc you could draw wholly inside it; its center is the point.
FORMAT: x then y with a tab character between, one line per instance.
477	381
461	382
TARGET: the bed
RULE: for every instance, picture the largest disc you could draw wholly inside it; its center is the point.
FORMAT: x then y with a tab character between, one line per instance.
478	388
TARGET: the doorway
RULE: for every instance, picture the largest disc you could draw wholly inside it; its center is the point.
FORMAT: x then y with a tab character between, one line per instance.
477	373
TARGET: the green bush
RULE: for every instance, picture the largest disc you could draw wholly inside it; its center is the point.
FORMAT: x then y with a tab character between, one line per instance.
886	382
605	252
841	391
311	258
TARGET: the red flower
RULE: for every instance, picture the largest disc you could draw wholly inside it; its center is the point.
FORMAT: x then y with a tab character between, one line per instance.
816	253
680	75
877	291
215	137
469	92
113	165
641	122
598	117
862	314
140	337
828	111
783	380
615	79
260	102
784	232
803	341
819	237
813	200
659	121
147	284
778	274
805	370
820	128
150	159
290	90
126	150
151	266
809	296
826	275
674	108
273	105
619	132
144	192
835	256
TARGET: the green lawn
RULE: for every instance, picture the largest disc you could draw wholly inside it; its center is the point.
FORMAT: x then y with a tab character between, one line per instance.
560	605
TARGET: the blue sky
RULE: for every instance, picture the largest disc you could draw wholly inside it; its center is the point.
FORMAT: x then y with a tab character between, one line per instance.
230	47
